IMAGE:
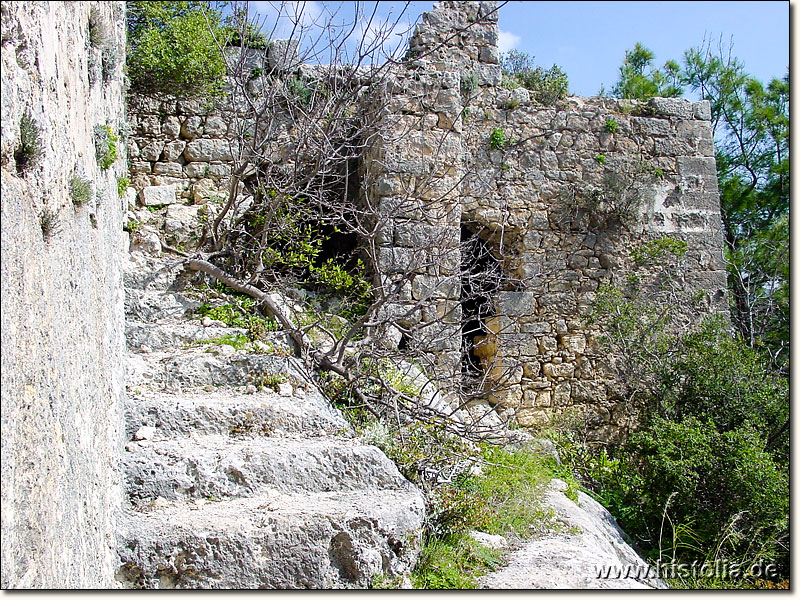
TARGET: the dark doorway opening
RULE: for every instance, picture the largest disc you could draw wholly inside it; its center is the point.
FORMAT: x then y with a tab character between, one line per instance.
481	278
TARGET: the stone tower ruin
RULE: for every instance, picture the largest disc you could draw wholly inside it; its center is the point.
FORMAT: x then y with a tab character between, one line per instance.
561	194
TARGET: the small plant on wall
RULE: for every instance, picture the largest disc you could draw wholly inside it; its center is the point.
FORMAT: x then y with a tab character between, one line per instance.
48	221
80	190
105	142
498	139
29	150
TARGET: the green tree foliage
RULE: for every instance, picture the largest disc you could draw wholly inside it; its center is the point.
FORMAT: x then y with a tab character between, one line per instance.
707	474
548	86
638	79
174	48
751	131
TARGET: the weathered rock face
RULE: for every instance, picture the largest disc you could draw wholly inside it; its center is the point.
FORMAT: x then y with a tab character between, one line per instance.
589	552
561	195
62	304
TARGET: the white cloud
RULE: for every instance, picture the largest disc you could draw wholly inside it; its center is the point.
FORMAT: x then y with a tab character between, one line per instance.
507	40
280	19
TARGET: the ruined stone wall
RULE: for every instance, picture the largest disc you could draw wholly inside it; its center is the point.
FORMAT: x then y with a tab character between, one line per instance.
562	198
62	302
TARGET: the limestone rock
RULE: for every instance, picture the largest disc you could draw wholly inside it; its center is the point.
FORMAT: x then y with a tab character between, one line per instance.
158	195
572	558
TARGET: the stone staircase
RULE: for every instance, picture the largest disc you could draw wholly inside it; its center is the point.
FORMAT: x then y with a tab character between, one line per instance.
235	488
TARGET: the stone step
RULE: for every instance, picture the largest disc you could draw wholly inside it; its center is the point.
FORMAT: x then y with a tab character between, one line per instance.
158	305
226	411
166	336
325	540
145	272
176	370
223	467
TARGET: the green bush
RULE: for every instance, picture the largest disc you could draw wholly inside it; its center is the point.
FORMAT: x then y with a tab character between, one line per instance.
105	142
173	48
469	83
548	86
706	475
257	327
611	125
122	185
655	250
49	223
80	190
29	150
498	139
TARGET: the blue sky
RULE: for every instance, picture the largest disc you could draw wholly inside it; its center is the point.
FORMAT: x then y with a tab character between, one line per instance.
588	39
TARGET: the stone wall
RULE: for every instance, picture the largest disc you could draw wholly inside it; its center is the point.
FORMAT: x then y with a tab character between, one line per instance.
62	303
562	197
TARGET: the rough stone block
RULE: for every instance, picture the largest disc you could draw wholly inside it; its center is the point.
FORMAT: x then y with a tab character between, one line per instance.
647	126
172	150
547	344
562	393
489	54
531	417
192	127
489	74
149	125
283	55
531	369
158	195
207	150
558	371
215	127
702	110
516	304
195	169
673	107
575	343
168	168
171	127
535	328
140	166
152	151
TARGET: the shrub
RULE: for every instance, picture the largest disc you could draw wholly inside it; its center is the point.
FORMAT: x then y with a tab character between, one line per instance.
469	82
659	248
97	30
132	226
498	139
122	185
233	316
173	48
29	150
49	223
548	85
611	125
105	146
80	190
601	159
706	475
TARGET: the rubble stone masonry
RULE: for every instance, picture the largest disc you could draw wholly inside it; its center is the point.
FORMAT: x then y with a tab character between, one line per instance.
561	194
